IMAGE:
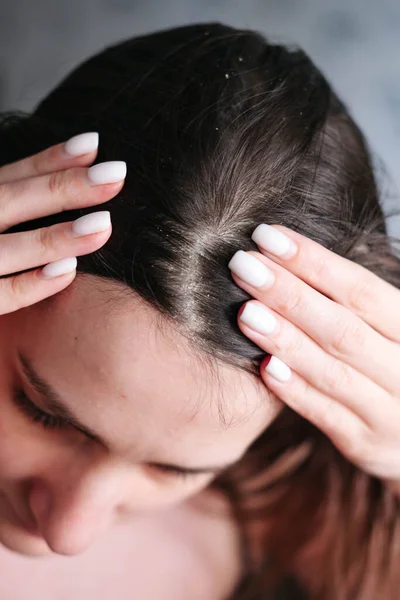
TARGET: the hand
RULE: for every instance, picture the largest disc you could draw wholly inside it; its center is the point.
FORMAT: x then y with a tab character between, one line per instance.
336	362
50	182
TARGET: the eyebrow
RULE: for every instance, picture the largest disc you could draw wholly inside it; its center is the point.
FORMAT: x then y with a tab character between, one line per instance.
58	408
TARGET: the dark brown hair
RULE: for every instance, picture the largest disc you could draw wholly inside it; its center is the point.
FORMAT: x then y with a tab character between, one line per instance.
222	131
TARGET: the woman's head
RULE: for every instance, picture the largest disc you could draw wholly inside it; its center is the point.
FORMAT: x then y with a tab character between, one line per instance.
221	131
147	400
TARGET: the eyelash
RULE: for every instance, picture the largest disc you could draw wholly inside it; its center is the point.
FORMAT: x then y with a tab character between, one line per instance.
171	471
37	415
48	421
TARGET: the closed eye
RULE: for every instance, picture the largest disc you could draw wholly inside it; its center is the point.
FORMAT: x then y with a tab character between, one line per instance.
173	470
36	414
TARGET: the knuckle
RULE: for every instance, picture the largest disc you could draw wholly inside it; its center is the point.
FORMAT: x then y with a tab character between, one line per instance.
288	342
45	239
68	184
317	265
348	337
18	291
76	186
362	295
58	183
290	299
337	375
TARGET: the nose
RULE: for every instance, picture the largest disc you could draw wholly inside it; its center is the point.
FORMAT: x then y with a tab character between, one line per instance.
72	514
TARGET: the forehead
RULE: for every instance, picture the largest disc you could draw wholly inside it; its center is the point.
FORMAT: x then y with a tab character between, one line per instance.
120	363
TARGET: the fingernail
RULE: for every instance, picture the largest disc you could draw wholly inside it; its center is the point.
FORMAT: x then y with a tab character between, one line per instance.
107	172
251	270
278	369
258	317
59	267
92	223
82	144
274	241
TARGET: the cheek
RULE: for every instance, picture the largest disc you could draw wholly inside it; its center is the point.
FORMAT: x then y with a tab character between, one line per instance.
19	447
17	455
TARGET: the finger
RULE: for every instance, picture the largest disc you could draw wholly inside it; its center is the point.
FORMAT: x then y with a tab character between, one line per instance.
79	151
336	329
20	291
341	425
29	199
22	251
328	375
371	298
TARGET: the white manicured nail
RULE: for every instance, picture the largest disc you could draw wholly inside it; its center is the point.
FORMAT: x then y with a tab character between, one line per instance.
259	318
107	172
251	270
59	267
274	241
82	144
92	223
278	369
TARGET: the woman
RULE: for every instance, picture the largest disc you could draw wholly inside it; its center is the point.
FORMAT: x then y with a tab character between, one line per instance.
133	394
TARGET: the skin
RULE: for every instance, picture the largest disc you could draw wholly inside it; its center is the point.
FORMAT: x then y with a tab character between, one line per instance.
337	331
135	381
157	556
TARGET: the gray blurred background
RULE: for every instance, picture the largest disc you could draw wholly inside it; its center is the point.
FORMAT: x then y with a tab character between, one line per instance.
355	42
